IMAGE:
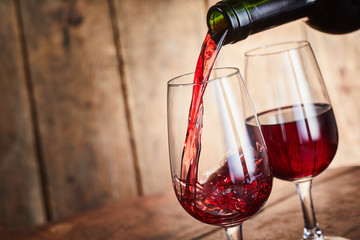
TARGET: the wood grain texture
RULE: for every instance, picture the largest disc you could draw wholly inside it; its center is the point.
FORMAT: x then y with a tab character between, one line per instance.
21	202
138	219
161	216
159	40
82	123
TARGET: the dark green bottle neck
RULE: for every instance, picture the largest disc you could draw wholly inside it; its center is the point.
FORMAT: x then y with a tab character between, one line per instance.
245	17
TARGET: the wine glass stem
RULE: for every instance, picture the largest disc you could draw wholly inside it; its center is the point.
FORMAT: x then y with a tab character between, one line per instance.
311	228
234	233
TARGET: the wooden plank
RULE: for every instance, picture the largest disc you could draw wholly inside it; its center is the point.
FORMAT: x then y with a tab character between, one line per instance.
159	40
161	217
152	217
339	60
82	122
21	201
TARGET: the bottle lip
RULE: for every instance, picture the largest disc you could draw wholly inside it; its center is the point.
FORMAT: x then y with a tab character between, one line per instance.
229	23
277	48
238	22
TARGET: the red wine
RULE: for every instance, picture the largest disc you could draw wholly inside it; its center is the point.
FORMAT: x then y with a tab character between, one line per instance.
223	198
225	201
302	140
192	146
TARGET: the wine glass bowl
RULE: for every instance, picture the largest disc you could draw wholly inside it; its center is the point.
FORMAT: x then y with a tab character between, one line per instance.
226	179
300	147
296	117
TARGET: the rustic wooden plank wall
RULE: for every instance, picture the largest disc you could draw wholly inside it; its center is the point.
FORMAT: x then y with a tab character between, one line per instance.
83	130
21	197
83	97
153	53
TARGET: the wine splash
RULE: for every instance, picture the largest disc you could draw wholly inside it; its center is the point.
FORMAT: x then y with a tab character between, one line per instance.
220	200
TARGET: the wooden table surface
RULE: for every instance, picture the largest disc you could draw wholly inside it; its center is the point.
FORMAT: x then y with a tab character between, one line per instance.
336	195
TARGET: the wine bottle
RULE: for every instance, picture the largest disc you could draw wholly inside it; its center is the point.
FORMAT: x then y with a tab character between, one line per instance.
245	17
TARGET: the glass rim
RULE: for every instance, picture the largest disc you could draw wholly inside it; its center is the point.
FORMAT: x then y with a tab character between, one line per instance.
171	83
266	50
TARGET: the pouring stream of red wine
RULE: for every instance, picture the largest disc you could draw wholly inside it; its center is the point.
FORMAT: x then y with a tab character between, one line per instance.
223	198
191	152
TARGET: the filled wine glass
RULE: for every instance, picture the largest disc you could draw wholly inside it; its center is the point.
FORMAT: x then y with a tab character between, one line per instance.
219	166
296	118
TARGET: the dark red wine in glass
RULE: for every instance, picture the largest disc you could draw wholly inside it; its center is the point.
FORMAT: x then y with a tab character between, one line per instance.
296	118
219	176
221	199
300	144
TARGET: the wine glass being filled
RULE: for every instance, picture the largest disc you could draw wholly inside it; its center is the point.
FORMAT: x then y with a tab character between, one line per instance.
219	166
296	118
